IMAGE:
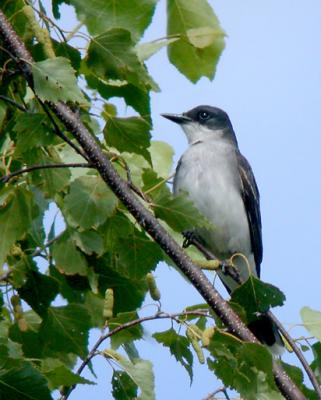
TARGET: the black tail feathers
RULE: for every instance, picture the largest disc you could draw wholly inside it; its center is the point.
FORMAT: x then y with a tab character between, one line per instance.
266	331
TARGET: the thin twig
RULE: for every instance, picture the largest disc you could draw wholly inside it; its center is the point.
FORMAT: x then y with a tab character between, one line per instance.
7	178
12	102
158	315
223	390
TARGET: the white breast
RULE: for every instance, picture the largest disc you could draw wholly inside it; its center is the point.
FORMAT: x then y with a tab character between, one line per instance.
208	172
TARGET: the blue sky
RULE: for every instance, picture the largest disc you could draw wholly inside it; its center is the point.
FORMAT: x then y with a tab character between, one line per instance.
269	81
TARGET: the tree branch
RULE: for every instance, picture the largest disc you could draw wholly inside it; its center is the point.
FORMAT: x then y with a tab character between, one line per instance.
6	178
158	315
143	216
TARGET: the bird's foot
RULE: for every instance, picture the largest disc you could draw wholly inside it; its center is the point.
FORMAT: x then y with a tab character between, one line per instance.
190	236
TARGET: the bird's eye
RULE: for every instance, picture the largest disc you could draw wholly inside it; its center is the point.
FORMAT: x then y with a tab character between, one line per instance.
203	115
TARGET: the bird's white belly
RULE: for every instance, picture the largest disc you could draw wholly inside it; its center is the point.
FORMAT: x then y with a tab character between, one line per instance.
212	184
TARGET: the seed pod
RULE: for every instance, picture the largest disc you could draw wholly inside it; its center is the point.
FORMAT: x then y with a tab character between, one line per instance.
207	335
152	287
108	304
194	332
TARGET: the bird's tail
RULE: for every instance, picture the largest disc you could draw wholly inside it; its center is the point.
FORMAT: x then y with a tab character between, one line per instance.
267	333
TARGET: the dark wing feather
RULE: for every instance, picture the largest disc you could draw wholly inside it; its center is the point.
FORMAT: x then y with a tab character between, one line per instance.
251	198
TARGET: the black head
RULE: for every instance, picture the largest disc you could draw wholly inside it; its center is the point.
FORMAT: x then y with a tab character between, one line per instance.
204	122
211	117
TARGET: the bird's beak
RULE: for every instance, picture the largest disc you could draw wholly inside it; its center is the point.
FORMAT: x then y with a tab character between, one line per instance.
178	118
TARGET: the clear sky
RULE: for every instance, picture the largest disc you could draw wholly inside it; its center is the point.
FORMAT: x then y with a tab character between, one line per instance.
269	82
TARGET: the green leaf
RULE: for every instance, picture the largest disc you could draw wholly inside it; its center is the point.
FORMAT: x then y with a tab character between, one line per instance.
129	293
124	387
129	134
49	181
17	205
54	80
140	372
68	259
38	291
201	38
257	296
246	367
32	131
65	329
111	57
162	157
312	321
89	242
100	15
135	255
178	346
89	202
19	380
316	363
127	335
58	374
133	96
146	50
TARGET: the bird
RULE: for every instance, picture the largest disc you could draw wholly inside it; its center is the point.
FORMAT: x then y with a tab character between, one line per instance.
220	182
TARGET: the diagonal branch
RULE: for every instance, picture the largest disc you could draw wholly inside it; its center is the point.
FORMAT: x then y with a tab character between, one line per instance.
143	216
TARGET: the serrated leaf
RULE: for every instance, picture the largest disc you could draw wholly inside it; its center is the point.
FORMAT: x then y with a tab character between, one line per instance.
129	134
32	131
49	181
129	292
111	56
178	346
89	202
246	367
54	80
68	259
135	255
126	335
257	296
19	380
185	19
140	372
89	242
65	329
312	321
38	291
124	387
18	205
100	15
58	374
133	96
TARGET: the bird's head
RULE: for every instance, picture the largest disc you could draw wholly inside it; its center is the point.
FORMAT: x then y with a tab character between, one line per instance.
204	123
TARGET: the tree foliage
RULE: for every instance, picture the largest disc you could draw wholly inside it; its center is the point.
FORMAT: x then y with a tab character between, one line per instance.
56	286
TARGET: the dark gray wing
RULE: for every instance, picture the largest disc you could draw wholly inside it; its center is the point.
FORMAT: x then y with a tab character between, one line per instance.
251	198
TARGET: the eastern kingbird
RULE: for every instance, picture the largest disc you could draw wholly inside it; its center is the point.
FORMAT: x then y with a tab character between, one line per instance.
220	182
